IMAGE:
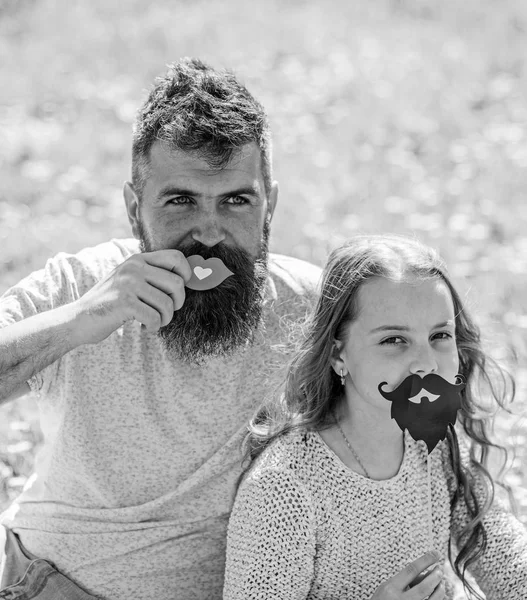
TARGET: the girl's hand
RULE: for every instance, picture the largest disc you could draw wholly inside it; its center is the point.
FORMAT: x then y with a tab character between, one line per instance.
429	587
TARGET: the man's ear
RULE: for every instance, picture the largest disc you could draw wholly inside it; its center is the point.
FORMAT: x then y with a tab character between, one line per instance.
132	207
272	200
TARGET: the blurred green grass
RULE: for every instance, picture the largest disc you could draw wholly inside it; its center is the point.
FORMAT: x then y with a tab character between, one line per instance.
407	116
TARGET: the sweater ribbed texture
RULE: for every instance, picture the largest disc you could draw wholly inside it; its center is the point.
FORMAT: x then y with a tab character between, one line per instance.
305	526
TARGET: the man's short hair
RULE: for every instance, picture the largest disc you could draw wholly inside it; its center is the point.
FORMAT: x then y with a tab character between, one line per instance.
197	109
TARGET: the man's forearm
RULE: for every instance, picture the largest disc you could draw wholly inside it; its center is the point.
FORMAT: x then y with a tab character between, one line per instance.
28	346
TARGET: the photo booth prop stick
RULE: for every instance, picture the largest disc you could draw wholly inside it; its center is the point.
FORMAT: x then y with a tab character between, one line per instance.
425	406
206	274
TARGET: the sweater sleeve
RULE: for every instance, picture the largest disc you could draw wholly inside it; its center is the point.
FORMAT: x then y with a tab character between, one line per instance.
271	539
501	571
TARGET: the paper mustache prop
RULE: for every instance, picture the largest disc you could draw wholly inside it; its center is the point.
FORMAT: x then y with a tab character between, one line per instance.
206	274
425	406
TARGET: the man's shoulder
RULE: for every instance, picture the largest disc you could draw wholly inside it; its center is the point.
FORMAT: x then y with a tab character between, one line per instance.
96	262
299	276
64	278
112	252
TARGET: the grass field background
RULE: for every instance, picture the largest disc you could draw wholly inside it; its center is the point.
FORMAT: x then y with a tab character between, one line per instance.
388	115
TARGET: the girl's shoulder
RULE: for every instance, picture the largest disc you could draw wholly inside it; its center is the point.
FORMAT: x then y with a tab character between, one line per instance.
293	452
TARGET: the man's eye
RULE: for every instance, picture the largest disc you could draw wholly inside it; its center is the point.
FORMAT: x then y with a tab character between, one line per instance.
180	200
237	200
393	341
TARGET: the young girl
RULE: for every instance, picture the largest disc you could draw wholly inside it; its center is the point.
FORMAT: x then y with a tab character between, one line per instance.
340	500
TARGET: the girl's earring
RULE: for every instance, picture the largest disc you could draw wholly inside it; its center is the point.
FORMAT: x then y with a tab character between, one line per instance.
342	378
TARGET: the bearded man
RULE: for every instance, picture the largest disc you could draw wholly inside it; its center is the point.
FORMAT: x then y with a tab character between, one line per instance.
145	382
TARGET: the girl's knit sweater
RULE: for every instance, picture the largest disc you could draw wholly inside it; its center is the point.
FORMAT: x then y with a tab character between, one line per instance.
305	526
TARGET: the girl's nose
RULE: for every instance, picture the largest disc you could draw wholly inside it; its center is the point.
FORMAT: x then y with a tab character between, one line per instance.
423	361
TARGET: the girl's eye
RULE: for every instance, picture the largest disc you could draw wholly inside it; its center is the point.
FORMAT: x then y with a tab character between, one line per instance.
393	341
442	335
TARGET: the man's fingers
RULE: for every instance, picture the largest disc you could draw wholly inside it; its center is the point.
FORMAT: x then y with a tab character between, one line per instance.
170	260
166	270
171	284
146	315
410	572
158	300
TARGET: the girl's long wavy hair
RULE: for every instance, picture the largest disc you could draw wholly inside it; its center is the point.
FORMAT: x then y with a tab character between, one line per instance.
312	389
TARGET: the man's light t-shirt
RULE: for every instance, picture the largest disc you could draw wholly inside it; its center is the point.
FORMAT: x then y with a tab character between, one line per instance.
137	477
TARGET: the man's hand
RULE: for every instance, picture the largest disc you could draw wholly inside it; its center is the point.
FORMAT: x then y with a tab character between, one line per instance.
147	287
430	587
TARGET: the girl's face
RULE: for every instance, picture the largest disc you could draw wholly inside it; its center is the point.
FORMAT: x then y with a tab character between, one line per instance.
401	329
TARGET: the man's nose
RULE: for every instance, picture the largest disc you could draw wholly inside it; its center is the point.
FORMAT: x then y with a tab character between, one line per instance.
423	360
208	230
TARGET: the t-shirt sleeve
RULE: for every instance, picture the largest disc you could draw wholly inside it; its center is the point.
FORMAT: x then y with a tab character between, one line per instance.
271	539
501	571
60	282
64	279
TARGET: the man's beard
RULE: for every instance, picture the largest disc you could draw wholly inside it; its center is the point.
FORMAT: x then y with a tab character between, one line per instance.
429	418
217	322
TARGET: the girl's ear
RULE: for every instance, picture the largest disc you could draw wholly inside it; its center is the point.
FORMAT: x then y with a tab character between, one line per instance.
337	362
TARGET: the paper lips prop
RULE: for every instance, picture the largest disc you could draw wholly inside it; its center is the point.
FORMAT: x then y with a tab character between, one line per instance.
425	406
206	274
